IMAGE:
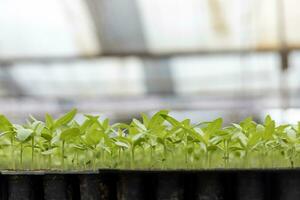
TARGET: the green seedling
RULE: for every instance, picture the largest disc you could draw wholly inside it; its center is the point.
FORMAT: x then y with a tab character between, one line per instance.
154	142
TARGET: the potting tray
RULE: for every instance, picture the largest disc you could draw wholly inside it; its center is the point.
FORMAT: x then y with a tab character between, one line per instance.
218	184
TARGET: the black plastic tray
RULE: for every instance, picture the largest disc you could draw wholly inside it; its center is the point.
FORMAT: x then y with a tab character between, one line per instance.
107	184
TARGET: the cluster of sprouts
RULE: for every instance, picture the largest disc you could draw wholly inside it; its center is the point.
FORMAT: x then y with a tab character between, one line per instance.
156	142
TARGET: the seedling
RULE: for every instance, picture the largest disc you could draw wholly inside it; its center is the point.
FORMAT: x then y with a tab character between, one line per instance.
155	142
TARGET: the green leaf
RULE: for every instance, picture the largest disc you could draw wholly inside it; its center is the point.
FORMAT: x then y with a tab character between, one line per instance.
146	120
93	137
269	127
212	148
157	119
38	127
70	134
4	133
65	119
242	139
195	134
92	117
236	148
237	126
138	136
91	120
139	125
291	135
55	139
280	129
254	139
49	151
260	129
105	124
247	123
47	136
121	126
105	148
86	124
5	124
214	126
122	144
23	134
171	120
49	121
160	141
80	147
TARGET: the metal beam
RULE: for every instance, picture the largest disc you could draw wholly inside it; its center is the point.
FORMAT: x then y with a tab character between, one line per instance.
118	25
158	77
111	16
12	88
132	105
141	54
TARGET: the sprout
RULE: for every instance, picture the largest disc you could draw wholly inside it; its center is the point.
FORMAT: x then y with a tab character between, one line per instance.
154	142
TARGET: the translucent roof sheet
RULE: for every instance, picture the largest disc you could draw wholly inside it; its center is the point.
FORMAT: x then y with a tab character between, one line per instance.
209	24
36	28
45	28
292	22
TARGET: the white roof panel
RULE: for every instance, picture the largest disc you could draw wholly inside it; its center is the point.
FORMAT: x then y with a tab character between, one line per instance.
45	28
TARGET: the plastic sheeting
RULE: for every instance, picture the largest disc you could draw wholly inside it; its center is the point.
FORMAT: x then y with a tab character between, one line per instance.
35	28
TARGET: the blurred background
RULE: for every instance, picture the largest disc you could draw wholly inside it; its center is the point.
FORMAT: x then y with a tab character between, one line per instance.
199	58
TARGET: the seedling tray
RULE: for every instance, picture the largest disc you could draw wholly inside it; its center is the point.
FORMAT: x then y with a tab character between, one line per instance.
112	184
160	142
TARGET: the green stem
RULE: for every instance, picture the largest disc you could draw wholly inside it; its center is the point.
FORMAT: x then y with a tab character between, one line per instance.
246	159
32	152
132	157
63	154
292	158
49	156
292	162
186	156
263	156
226	153
49	161
12	153
207	159
94	158
94	161
76	159
21	156
151	155
186	150
86	159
